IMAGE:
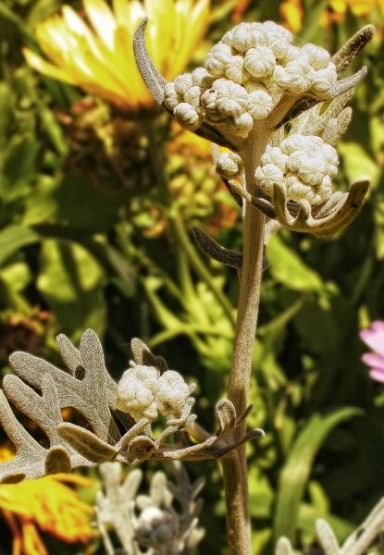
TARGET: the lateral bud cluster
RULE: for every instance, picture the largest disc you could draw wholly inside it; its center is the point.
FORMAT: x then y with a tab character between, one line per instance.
148	393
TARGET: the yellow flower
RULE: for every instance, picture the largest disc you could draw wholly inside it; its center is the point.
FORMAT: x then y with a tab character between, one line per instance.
292	14
97	54
359	8
46	504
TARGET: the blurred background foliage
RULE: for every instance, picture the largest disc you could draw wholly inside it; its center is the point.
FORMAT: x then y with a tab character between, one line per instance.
96	208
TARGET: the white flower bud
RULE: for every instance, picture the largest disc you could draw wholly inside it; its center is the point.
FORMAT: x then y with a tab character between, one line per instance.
291	143
243	39
274	29
201	78
298	191
187	116
260	62
225	98
192	96
278	45
325	81
209	100
228	38
268	175
305	165
182	83
234	70
229	164
326	185
172	393
217	59
274	155
155	527
332	159
229	107
293	53
296	77
171	98
241	125
318	57
136	392
260	104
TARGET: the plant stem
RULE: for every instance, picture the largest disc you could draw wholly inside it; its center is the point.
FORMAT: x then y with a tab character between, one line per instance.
235	465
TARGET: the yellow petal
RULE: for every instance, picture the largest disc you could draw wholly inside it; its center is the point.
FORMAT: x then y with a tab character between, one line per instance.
194	29
121	10
101	17
100	58
39	64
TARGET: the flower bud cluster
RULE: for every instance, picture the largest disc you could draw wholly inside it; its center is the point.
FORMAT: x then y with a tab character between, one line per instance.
229	165
245	76
143	393
304	165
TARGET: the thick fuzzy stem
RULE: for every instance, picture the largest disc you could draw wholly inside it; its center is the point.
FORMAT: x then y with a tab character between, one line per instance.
235	466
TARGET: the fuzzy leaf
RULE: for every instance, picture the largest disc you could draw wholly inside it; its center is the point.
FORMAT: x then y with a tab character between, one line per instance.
327	538
226	417
32	460
142	355
283	547
57	460
87	388
86	443
87	395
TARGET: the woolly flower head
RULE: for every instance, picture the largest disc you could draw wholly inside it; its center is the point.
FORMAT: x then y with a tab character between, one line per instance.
143	393
304	165
245	76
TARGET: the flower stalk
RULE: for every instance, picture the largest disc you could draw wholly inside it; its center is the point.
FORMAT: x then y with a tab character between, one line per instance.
235	468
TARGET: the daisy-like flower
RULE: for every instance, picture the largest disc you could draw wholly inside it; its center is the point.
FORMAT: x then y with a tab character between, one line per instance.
44	505
374	338
96	53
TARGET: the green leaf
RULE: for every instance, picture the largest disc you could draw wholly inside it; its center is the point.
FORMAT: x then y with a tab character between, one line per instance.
19	166
16	275
6	112
358	163
287	268
13	238
84	208
71	282
296	471
110	258
309	515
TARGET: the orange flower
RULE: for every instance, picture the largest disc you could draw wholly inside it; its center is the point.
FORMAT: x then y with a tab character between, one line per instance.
239	9
48	505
